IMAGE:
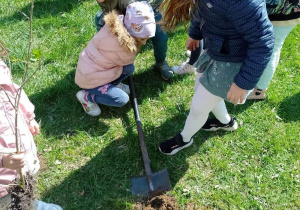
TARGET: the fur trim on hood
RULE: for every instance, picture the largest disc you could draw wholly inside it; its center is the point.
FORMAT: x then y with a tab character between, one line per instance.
116	26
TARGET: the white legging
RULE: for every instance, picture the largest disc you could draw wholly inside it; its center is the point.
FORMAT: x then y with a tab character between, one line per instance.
203	103
280	33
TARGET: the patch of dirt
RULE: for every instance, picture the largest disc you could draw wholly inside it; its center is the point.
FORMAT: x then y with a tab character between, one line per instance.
162	202
43	163
22	198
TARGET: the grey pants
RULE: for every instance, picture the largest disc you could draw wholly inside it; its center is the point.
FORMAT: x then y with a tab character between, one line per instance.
5	201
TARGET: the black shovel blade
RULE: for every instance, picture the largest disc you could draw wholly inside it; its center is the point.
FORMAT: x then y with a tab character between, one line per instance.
160	183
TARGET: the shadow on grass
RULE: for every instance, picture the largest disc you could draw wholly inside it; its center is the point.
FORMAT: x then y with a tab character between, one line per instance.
238	109
43	8
289	108
59	111
104	182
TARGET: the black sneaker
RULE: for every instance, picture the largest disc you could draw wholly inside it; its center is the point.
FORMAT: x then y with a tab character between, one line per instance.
174	145
214	125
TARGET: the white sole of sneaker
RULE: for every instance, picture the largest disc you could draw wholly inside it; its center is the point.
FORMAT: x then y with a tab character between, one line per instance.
93	115
233	128
178	149
185	73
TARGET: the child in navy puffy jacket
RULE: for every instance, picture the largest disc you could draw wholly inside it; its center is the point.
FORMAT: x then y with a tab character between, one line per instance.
238	38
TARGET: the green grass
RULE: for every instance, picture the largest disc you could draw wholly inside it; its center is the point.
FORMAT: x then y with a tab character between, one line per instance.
256	167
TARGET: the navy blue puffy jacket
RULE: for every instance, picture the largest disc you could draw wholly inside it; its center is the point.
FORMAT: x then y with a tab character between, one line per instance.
235	31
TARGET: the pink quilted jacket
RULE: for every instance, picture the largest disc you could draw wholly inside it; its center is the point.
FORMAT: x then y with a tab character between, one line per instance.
7	124
102	61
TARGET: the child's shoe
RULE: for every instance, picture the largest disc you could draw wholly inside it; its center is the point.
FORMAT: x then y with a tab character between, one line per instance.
165	71
89	107
40	205
174	68
123	87
257	94
188	53
174	145
184	68
214	125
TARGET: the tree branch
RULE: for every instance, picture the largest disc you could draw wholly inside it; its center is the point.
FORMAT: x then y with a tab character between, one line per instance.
1	88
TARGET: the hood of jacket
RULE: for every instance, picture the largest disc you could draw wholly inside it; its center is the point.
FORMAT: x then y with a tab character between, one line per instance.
102	61
115	24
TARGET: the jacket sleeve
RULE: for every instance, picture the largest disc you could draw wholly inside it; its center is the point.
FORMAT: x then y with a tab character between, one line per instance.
250	19
1	164
195	27
5	79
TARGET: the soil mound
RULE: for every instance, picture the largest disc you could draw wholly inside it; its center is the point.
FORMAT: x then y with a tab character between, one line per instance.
162	202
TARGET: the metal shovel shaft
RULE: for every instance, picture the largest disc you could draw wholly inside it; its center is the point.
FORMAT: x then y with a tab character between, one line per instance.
145	155
154	183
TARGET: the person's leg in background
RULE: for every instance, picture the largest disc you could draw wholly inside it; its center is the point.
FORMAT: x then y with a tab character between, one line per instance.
99	22
187	67
196	53
160	46
259	92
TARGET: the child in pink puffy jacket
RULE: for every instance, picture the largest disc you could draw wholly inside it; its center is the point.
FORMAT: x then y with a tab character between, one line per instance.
108	58
27	160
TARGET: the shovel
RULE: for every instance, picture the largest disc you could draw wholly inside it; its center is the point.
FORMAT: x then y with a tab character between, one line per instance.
153	183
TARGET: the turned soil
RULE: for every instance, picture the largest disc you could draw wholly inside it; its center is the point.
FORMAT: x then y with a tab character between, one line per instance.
22	198
162	202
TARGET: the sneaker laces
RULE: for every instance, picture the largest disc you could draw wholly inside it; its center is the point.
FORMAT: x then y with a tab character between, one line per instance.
175	141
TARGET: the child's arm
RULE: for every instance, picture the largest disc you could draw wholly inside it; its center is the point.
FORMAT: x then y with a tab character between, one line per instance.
195	27
34	127
252	23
